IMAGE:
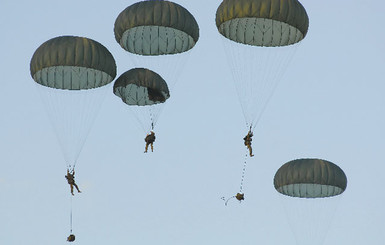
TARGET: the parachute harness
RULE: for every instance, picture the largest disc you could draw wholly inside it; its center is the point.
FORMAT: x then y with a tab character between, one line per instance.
71	167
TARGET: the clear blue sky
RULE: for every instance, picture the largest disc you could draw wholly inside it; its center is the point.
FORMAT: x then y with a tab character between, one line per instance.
329	105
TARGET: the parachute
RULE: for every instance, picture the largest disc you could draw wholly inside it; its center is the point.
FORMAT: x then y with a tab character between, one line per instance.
260	38
310	178
144	91
154	28
72	63
72	74
310	190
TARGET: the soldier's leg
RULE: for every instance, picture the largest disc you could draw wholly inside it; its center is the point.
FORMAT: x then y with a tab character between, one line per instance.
146	148
152	147
72	189
77	188
250	150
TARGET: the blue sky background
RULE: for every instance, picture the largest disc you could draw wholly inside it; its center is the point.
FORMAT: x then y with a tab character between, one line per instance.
328	105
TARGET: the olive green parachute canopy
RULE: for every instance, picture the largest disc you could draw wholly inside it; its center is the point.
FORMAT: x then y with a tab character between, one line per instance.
310	178
267	23
156	28
73	63
141	86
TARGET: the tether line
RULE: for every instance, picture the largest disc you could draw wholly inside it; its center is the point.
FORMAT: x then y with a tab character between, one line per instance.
71	216
243	174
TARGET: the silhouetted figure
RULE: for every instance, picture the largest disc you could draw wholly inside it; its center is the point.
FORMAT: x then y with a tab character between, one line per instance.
150	138
71	181
248	139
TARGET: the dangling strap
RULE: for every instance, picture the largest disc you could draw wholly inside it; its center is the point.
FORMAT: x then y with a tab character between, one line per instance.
226	201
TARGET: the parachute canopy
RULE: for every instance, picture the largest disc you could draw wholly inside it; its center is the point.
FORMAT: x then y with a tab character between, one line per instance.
72	63
156	28
267	23
141	86
310	178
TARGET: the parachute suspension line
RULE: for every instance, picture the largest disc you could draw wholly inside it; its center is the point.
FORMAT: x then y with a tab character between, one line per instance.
71	168
72	113
232	57
260	85
247	125
283	57
243	173
139	115
256	74
91	102
146	116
